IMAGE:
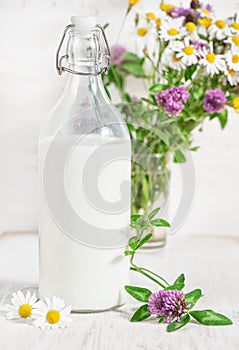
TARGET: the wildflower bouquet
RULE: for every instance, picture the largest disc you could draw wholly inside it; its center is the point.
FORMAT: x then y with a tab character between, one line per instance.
188	61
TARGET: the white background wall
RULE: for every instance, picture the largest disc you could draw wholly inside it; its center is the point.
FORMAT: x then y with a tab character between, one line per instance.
29	86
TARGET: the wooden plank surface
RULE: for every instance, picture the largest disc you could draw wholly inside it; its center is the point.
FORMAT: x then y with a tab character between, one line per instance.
209	262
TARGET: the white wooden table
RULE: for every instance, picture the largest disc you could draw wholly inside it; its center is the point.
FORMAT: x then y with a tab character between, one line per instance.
209	262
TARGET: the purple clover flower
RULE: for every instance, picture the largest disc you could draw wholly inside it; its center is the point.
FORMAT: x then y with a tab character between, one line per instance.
172	100
214	101
199	46
209	8
183	12
135	99
169	304
117	51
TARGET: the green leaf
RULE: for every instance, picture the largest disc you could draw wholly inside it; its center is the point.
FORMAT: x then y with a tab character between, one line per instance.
160	222
194	149
222	117
210	318
133	242
177	325
129	56
179	157
178	284
128	252
116	78
135	69
135	217
198	93
144	240
141	314
214	115
192	297
189	72
153	213
140	294
158	88
130	127
180	279
153	103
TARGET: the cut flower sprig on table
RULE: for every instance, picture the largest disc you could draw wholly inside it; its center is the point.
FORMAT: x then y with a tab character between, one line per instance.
169	304
187	62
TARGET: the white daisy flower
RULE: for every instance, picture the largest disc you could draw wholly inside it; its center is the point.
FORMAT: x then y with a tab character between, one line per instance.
205	12
212	62
170	59
232	77
190	31
232	59
233	41
22	306
53	314
234	27
151	19
186	52
219	30
160	19
171	30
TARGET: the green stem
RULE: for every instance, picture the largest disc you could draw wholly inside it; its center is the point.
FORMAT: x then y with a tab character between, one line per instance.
153	273
122	26
147	275
144	271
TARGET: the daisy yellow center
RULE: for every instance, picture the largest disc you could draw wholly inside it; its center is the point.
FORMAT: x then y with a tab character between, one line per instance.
53	316
235	25
158	22
150	15
231	72
188	50
206	12
25	310
166	7
235	40
235	58
220	24
172	32
175	58
142	31
205	22
190	27
210	57
133	2
235	103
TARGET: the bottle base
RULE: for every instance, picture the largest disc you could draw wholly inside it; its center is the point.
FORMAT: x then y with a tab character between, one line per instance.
86	311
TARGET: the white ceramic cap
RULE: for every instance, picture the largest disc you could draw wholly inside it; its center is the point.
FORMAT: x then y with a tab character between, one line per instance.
83	23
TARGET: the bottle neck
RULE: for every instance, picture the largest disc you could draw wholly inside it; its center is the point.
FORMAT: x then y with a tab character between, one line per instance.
85	52
88	89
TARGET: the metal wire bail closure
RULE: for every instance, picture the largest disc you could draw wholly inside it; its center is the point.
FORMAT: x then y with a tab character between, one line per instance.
60	68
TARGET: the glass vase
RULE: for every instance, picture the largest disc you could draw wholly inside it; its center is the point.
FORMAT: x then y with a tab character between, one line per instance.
151	190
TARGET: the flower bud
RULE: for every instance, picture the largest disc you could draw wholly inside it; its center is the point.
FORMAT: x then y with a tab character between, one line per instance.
195	4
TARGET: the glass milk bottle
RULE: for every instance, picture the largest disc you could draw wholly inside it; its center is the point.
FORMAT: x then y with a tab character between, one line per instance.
84	152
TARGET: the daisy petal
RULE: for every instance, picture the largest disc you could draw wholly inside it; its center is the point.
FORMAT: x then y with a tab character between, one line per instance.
21	297
48	303
27	298
32	299
66	311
